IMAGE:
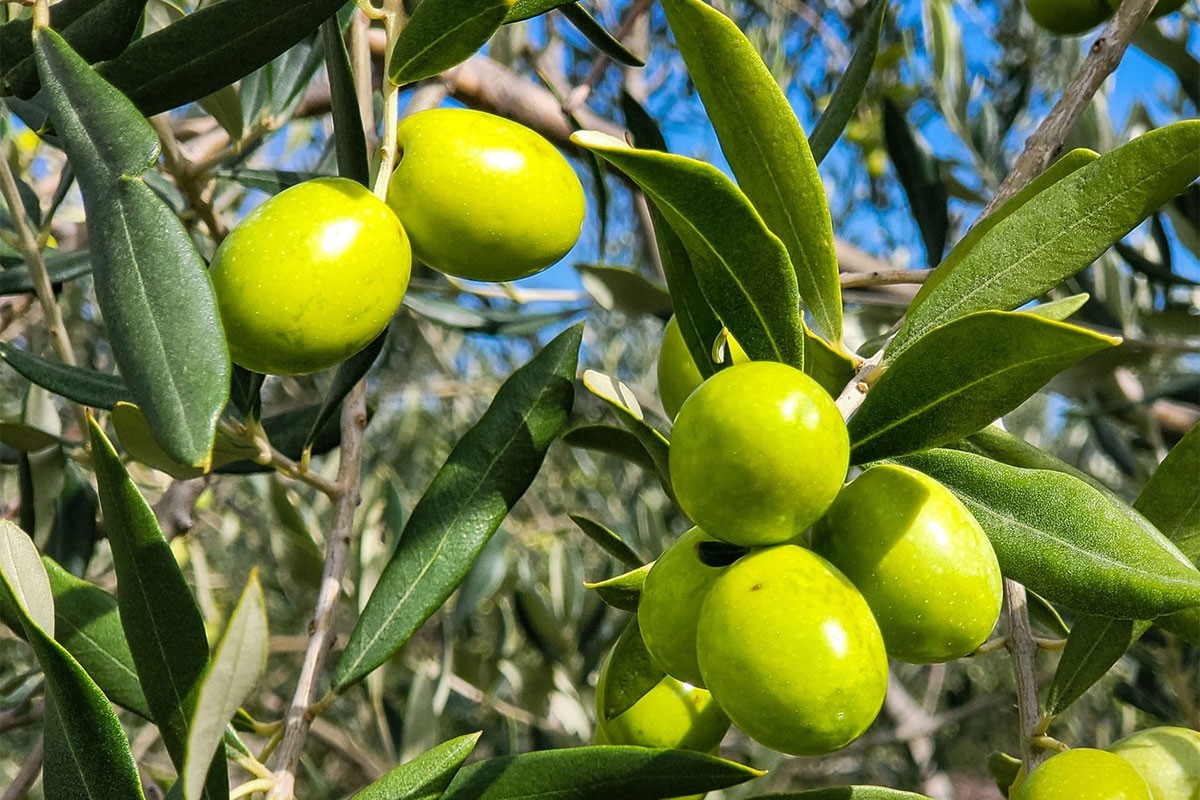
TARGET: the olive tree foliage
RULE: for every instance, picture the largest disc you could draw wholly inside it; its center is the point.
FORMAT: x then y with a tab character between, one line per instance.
372	579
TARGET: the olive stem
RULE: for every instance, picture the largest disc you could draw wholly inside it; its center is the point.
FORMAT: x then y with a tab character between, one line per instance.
186	176
392	24
886	277
304	704
42	287
1023	650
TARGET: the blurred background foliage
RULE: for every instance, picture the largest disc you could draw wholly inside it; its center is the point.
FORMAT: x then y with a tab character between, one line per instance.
956	89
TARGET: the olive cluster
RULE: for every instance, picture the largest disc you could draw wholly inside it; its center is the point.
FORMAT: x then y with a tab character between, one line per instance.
789	596
316	272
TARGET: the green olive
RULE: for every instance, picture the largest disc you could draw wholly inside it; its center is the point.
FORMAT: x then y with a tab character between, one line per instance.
920	559
671	715
1068	17
310	277
758	453
1082	774
1168	759
483	197
669	606
790	651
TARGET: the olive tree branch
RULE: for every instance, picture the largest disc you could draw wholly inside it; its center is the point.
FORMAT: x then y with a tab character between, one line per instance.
305	704
1103	57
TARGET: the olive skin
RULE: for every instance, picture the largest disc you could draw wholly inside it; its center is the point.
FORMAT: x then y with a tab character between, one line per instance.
1068	17
758	453
1082	774
790	651
310	277
920	559
483	197
1168	759
669	607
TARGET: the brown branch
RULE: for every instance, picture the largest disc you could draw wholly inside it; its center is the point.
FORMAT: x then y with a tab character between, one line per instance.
1046	142
1022	648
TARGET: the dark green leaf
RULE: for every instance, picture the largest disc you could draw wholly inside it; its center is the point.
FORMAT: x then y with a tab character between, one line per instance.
88	625
621	399
1061	229
960	377
84	386
596	773
622	591
162	622
849	90
442	34
698	323
245	392
527	9
920	175
1060	169
96	29
608	539
347	376
1065	539
426	776
630	673
60	267
619	289
211	48
486	473
87	754
1094	645
767	152
1170	499
348	135
828	366
74	535
742	267
237	665
595	33
646	133
615	441
151	284
271	181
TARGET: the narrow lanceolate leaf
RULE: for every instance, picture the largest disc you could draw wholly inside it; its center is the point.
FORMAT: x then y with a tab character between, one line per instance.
596	33
612	440
621	399
608	539
236	667
630	673
698	323
442	34
84	386
484	476
921	178
849	90
1061	229
622	591
766	150
597	773
961	376
162	622
1060	169
1093	646
60	267
88	625
1170	499
426	776
210	49
97	29
1060	310
87	754
527	9
741	266
831	367
348	135
1066	540
151	284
